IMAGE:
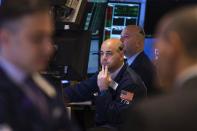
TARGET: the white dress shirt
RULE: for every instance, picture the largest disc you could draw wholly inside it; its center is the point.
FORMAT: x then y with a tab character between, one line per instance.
113	75
13	72
132	58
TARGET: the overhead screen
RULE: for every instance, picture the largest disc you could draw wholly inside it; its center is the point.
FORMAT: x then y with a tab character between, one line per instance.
156	9
118	15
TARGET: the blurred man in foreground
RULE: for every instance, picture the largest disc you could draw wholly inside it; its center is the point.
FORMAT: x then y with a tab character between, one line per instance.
177	68
27	101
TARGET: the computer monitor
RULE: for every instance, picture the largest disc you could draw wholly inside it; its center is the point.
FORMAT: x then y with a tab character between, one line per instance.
93	64
118	15
156	9
149	47
70	61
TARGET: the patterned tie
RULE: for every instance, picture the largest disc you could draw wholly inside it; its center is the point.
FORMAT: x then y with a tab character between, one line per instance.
37	97
125	61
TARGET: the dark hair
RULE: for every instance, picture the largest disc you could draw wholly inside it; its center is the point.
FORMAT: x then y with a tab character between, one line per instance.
14	9
183	21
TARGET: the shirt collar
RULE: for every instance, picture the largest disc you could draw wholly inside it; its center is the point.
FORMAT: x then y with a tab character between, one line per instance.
186	75
18	76
115	73
13	72
132	58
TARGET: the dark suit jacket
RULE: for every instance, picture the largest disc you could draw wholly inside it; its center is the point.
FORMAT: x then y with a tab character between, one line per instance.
108	104
143	66
174	112
18	111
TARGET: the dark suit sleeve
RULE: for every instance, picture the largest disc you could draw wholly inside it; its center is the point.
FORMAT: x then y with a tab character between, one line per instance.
2	108
135	121
4	119
83	91
109	109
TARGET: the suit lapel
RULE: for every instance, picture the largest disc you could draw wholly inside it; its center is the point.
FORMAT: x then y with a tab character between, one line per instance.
137	60
119	76
21	89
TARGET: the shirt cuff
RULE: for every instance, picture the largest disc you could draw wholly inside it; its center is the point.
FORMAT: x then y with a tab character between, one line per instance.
113	85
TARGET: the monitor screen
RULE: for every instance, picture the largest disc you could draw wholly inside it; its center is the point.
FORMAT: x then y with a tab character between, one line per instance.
97	1
149	48
94	17
72	52
156	9
118	15
93	64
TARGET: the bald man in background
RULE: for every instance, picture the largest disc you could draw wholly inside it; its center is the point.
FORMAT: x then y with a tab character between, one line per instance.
113	89
133	39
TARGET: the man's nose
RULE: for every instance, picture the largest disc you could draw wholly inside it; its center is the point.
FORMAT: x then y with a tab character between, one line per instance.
104	57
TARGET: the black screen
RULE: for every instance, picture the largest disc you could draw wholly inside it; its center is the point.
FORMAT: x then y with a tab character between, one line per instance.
58	2
155	9
71	57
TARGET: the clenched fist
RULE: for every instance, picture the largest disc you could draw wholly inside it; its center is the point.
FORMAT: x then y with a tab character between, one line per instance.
103	79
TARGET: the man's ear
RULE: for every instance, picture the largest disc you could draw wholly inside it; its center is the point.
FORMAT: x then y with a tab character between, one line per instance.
139	42
121	53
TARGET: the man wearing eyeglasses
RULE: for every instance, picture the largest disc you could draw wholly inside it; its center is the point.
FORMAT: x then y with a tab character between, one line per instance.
113	89
27	101
133	39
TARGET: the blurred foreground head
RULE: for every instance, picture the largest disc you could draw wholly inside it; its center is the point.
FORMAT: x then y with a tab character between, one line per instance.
177	44
26	28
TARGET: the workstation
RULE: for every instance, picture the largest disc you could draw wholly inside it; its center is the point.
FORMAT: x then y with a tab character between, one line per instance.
96	61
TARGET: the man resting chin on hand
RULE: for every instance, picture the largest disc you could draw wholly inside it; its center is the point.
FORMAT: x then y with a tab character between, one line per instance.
114	88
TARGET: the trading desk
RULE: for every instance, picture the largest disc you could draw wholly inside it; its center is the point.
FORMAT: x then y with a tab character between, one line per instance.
82	113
